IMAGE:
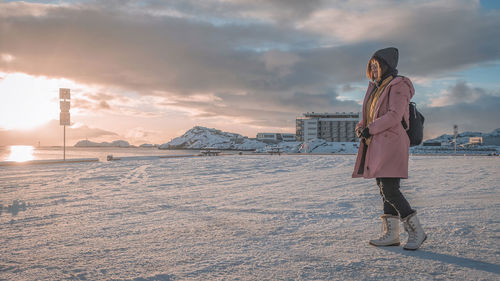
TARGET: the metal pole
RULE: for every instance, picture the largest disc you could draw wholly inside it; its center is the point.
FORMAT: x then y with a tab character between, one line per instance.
455	133
64	153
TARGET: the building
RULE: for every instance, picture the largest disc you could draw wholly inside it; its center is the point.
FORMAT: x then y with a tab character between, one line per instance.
289	137
334	127
431	143
275	137
491	140
476	140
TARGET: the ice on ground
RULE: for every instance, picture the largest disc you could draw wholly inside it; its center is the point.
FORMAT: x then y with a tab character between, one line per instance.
290	217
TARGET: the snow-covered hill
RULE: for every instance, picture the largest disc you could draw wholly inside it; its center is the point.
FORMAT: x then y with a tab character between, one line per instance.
200	137
148	145
463	138
117	143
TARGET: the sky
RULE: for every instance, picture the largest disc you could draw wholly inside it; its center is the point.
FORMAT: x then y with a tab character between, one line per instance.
147	71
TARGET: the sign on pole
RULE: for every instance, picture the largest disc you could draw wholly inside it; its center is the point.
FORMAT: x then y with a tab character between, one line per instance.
64	94
65	106
64	116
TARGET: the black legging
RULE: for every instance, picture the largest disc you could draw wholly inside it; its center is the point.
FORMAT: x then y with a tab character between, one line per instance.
394	201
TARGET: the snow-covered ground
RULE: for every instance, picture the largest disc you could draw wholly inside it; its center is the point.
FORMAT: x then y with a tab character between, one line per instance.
250	217
316	146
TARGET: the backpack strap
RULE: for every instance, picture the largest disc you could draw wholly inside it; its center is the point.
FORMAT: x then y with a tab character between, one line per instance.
405	126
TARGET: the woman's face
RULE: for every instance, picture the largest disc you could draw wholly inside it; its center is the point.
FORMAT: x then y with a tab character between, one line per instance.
374	69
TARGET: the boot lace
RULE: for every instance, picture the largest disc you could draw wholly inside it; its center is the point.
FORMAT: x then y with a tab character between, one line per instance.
387	230
410	228
385	235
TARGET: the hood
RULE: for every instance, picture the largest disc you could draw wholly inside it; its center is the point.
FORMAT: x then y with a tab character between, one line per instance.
389	56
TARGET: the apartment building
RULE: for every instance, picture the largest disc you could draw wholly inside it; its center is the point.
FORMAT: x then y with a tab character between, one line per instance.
334	127
275	137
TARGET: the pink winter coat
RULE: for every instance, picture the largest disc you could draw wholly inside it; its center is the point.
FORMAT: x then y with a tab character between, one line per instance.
388	152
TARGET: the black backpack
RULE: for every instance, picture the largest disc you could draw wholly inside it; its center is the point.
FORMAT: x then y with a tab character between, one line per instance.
416	131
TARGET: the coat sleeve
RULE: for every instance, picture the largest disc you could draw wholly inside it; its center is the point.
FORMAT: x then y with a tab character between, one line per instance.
399	98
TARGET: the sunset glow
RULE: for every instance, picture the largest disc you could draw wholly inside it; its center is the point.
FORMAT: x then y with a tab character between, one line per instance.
27	101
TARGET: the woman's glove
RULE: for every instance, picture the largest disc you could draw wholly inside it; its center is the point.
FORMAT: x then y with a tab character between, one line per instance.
365	133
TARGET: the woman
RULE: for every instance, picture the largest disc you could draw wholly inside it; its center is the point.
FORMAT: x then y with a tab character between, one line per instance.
383	153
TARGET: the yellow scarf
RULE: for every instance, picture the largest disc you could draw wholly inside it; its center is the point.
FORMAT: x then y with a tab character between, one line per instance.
372	104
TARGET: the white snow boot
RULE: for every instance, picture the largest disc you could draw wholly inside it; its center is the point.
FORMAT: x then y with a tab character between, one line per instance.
416	234
390	236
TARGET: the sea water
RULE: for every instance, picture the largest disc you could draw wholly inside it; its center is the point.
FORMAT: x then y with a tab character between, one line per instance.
25	153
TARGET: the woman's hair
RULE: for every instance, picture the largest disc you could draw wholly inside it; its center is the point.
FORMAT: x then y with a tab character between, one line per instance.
369	72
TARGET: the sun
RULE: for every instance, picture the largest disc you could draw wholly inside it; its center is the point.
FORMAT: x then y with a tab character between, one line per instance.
27	101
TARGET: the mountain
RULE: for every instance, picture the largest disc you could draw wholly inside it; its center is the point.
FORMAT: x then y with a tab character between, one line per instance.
463	138
445	144
148	145
200	137
117	143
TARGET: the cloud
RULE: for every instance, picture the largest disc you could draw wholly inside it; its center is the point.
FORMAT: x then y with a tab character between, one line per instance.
230	11
104	105
433	36
7	57
351	88
17	9
283	11
124	45
279	62
100	96
277	110
471	108
260	61
52	134
141	135
137	51
101	102
459	93
175	57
